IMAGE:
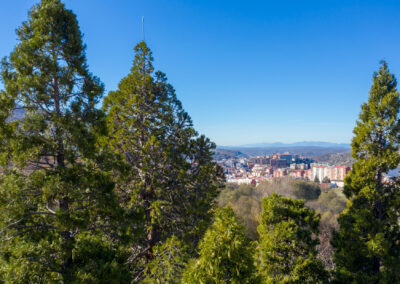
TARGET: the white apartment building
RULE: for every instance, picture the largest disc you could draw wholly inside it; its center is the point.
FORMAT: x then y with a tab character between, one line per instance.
319	172
335	173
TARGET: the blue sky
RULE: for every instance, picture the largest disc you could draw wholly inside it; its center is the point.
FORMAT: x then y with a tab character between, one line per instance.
246	71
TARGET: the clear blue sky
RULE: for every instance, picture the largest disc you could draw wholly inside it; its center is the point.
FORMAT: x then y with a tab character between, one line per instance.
246	71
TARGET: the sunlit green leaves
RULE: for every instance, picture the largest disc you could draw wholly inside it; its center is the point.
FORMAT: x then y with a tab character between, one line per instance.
287	252
367	247
225	253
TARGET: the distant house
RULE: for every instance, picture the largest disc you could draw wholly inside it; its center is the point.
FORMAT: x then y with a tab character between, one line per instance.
338	183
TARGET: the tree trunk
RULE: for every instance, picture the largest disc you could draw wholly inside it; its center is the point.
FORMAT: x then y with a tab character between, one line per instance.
63	202
227	276
376	264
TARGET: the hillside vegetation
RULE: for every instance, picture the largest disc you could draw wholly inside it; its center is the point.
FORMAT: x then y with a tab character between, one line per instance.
246	202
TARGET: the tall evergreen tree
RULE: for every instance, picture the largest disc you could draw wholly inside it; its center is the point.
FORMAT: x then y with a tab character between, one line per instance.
225	253
288	242
56	204
170	177
367	248
168	263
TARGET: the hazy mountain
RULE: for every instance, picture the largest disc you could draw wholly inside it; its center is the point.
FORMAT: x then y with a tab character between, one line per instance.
309	151
296	144
220	154
337	159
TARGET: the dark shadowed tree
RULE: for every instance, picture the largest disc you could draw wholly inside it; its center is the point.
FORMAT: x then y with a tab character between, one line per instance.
306	190
56	204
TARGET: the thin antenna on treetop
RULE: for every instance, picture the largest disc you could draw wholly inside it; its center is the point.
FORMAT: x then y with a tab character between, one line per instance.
143	27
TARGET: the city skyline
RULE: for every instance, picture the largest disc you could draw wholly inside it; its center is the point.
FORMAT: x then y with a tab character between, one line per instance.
252	72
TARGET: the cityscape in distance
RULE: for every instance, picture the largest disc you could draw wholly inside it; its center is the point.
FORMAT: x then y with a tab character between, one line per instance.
323	162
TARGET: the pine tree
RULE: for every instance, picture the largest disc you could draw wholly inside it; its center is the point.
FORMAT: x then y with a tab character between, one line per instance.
367	248
288	242
169	176
225	253
57	205
168	263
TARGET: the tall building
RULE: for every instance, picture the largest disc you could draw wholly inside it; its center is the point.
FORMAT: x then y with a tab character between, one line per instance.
318	172
308	174
279	163
279	173
286	156
261	160
297	173
338	173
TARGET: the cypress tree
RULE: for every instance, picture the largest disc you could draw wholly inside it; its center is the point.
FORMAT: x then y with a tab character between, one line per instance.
287	245
225	253
367	248
57	205
169	175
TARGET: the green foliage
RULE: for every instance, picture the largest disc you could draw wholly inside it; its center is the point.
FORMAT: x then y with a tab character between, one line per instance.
225	254
281	186
168	263
245	201
287	244
57	205
332	201
97	259
367	248
306	190
79	204
169	177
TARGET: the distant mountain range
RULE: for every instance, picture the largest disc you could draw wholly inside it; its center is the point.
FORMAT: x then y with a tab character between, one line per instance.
309	149
296	144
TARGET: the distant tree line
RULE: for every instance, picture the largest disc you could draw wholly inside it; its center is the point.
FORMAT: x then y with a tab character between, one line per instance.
129	192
